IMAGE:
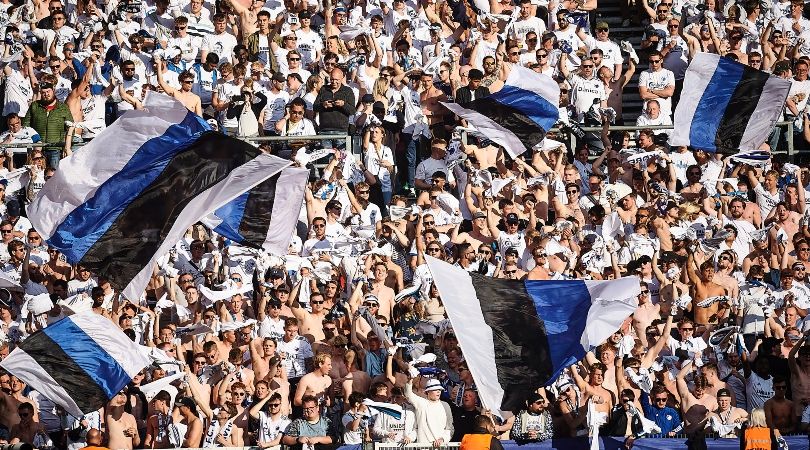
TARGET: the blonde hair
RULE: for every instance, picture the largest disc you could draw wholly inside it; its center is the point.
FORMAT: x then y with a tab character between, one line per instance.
688	209
380	89
757	418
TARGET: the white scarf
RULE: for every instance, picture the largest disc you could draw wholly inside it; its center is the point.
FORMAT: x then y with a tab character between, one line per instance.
214	431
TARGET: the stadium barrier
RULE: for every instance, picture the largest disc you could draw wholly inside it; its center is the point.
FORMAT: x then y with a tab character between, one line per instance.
605	443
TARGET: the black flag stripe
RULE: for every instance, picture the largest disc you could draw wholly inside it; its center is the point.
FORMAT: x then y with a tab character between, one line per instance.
521	344
134	237
740	107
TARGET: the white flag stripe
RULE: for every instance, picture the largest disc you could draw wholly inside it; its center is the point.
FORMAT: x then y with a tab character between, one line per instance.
112	340
697	77
541	84
766	114
240	180
490	129
286	208
464	310
611	303
81	174
19	362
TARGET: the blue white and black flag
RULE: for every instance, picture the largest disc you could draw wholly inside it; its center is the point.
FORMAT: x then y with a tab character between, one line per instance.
265	216
518	116
727	107
79	362
125	199
519	335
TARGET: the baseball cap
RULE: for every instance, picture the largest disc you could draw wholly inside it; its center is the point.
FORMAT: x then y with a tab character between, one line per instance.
602	24
480	215
368	98
187	402
723	393
512	218
304	15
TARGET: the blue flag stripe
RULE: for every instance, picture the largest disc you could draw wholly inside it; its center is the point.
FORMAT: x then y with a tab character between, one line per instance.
87	223
538	109
563	305
99	366
231	215
713	103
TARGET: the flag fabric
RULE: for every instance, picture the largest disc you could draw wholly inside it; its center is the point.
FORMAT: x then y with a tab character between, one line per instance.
125	199
520	335
265	216
79	362
518	116
726	106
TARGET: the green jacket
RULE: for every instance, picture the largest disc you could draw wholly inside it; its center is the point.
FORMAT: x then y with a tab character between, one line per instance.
49	124
252	44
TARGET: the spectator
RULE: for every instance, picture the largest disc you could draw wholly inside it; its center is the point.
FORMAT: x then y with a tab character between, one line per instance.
534	423
310	430
434	420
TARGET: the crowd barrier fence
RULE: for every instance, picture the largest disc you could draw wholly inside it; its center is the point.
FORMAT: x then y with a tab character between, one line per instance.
795	442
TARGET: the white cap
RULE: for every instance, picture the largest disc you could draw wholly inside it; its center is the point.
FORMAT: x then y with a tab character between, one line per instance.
433	385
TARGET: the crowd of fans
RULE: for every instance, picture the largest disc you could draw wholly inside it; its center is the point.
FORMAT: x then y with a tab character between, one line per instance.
251	348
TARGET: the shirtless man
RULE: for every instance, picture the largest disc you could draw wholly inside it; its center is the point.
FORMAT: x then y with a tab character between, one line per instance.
311	323
316	383
726	263
243	374
670	281
696	405
247	16
384	294
10	402
189	99
263	358
572	207
603	399
486	156
157	431
644	315
704	288
539	272
727	415
784	222
188	417
661	225
799	363
27	428
122	429
779	411
710	371
479	235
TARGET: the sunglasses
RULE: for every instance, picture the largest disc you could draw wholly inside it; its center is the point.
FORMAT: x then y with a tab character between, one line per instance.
370	304
315	302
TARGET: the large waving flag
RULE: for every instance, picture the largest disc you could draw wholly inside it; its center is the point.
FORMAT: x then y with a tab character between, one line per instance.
727	106
125	199
265	216
518	116
79	362
520	335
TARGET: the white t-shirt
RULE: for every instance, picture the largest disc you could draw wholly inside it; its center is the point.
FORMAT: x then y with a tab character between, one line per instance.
767	201
275	108
295	353
658	80
372	162
757	391
523	27
220	44
309	44
18	94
